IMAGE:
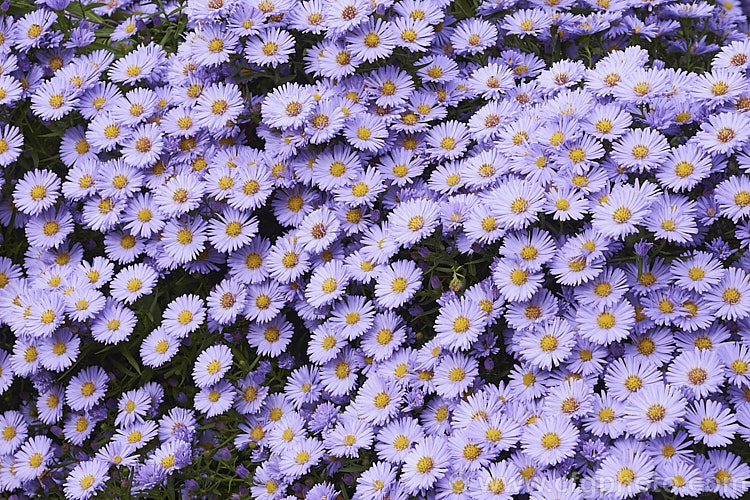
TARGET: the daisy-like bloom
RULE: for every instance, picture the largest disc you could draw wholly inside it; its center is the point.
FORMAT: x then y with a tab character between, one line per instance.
499	480
527	22
448	140
336	167
49	228
521	201
133	282
397	283
638	85
473	36
627	376
327	283
287	106
736	359
325	344
352	317
386	335
251	395
363	192
374	481
50	405
86	479
114	324
718	86
178	423
86	388
413	220
143	147
571	398
606	289
366	133
607	122
348	437
231	230
264	302
36	192
731	297
549	345
623	475
711	422
58	351
303	386
179	195
699	372
459	324
211	365
467	451
184	315
252	186
723	133
32	28
226	301
184	239
270	338
681	478
607	324
725	473
218	105
700	272
343	15
158	347
653	346
447	178
641	150
733	197
324	122
397	439
415	35
14	430
53	99
561	74
32	459
137	65
685	166
11	141
606	416
171	456
288	431
213	45
515	283
371	41
377	401
427	462
654	411
481	225
491	81
550	440
336	61
672	218
558	486
215	399
626	207
271	47
319	229
301	457
133	406
455	373
735	55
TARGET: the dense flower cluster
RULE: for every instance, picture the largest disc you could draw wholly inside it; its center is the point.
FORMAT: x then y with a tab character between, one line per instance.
386	249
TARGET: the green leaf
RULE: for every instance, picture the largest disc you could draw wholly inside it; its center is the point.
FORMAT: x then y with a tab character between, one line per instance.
125	352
